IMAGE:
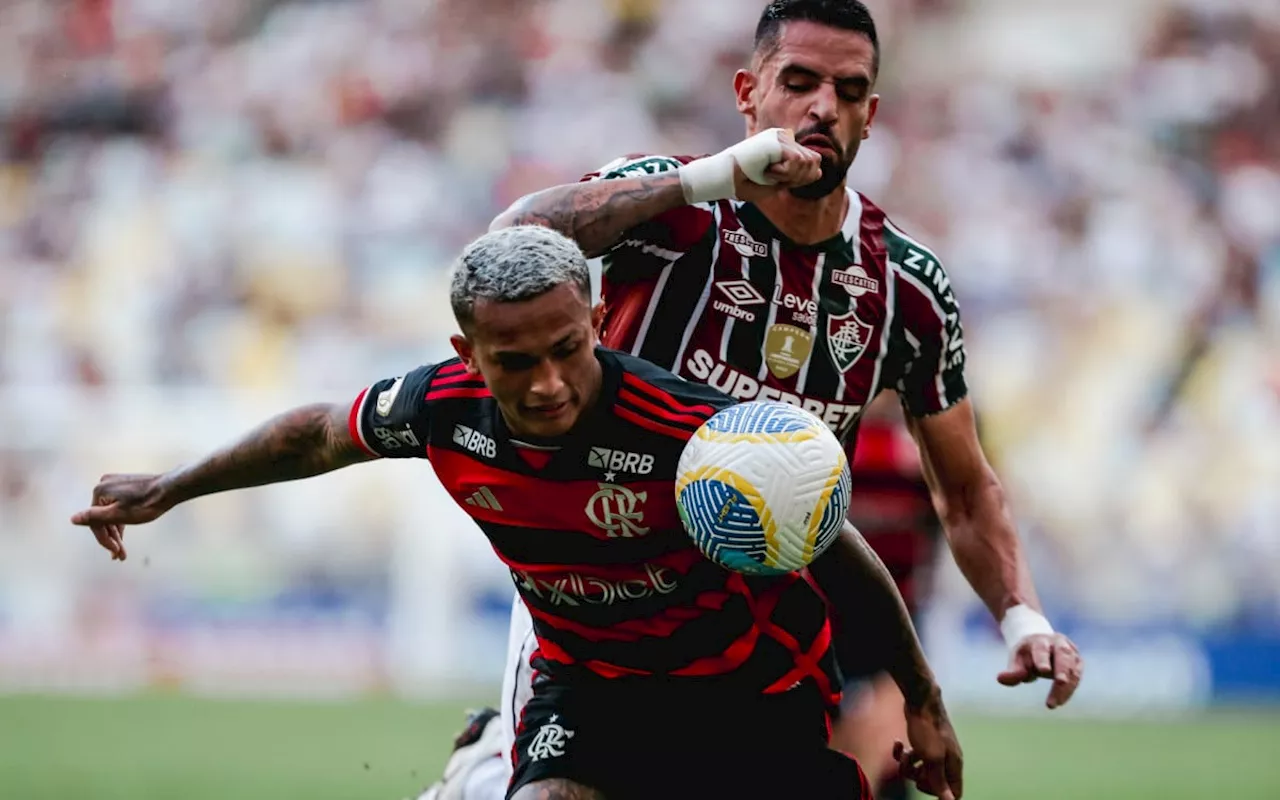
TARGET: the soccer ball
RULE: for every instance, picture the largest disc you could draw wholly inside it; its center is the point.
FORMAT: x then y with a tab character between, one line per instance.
763	487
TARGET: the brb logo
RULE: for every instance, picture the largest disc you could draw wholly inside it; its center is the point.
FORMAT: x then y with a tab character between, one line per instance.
474	441
620	461
616	511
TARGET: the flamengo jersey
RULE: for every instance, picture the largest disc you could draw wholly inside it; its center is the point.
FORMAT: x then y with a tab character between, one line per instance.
890	503
597	551
715	293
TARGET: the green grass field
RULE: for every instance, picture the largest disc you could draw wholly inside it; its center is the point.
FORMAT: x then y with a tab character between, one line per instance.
161	746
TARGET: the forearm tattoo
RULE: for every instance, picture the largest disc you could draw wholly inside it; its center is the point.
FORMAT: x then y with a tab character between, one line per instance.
596	214
297	444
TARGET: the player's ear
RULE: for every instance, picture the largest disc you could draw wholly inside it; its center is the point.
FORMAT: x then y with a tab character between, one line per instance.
462	346
873	103
744	90
597	317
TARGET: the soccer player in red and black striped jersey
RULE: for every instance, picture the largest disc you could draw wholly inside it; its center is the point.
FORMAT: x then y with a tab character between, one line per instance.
659	673
759	272
892	509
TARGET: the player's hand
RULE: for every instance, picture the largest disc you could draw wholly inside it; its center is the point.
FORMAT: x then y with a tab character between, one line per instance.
795	166
120	500
1043	655
934	762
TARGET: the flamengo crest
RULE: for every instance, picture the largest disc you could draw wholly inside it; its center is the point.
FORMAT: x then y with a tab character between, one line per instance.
618	511
847	339
550	740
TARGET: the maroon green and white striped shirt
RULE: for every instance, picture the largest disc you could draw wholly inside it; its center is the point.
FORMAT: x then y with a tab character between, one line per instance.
716	294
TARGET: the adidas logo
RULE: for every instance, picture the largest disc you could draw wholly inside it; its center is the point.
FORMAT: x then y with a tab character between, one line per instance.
483	497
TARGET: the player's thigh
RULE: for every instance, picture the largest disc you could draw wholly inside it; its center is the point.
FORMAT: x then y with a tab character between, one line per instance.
517	674
557	789
870	721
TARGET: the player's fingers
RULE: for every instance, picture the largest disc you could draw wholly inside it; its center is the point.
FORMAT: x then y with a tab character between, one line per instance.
778	171
117	534
933	780
1067	670
1042	657
908	764
1017	670
955	772
105	539
94	515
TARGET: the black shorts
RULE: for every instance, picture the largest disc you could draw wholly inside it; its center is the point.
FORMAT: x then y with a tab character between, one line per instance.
641	739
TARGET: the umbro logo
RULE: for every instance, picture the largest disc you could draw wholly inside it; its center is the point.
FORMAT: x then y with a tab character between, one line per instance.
483	497
741	292
474	441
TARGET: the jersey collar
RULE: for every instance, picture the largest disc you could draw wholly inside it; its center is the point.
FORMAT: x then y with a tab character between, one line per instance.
846	241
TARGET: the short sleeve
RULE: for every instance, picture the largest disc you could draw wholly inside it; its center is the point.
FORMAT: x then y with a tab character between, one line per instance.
391	418
933	377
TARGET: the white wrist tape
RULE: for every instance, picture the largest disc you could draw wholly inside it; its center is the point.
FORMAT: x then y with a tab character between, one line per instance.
1022	621
711	178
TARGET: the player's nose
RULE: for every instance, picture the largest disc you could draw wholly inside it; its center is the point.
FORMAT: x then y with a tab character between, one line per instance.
547	380
823	104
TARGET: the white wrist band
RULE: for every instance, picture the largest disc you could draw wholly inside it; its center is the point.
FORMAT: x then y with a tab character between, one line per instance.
711	178
1022	621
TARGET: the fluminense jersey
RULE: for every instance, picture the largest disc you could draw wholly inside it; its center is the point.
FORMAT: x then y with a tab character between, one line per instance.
591	534
716	294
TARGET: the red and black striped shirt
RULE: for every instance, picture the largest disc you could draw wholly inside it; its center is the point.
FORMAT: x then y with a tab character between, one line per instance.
591	534
891	506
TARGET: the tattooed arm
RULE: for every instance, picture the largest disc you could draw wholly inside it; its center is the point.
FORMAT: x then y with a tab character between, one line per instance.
297	444
595	214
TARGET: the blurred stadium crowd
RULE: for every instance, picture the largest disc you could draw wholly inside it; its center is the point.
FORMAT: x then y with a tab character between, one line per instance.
208	202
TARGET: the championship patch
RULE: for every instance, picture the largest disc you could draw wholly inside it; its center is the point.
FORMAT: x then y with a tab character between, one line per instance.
786	348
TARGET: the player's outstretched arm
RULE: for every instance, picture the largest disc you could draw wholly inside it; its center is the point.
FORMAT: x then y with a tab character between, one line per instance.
979	526
297	444
596	214
868	610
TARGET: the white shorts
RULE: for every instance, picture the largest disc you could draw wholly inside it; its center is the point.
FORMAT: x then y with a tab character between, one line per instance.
517	675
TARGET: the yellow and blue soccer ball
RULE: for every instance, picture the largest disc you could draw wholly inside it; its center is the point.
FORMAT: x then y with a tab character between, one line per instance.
763	487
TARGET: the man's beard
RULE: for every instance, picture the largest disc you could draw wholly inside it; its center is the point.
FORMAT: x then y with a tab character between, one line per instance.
833	174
